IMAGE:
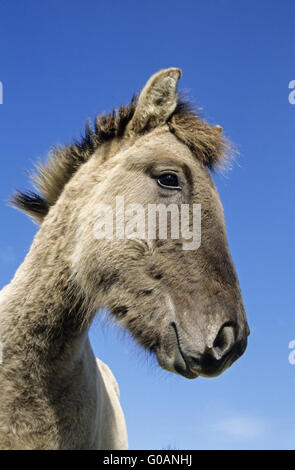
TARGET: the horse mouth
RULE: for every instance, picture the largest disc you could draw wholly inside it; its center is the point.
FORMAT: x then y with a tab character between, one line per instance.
173	360
180	364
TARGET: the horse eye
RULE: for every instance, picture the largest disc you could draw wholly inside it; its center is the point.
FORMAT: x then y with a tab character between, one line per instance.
169	181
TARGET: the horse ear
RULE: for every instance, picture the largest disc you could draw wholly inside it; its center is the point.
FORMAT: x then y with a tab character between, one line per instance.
157	101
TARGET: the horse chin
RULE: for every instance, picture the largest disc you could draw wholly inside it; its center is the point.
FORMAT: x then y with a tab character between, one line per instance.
174	363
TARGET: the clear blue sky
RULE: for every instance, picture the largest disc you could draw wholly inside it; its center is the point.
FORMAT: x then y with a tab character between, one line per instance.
62	61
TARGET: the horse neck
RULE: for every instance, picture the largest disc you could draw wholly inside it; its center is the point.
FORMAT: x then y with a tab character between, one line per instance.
42	315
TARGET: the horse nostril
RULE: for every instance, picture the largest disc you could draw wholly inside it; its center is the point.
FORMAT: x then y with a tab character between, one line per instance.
211	361
224	341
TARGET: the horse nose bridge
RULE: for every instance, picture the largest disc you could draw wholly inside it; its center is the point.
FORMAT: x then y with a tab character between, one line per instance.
200	332
214	341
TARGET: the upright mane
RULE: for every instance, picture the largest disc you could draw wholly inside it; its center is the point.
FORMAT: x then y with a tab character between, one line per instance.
49	179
